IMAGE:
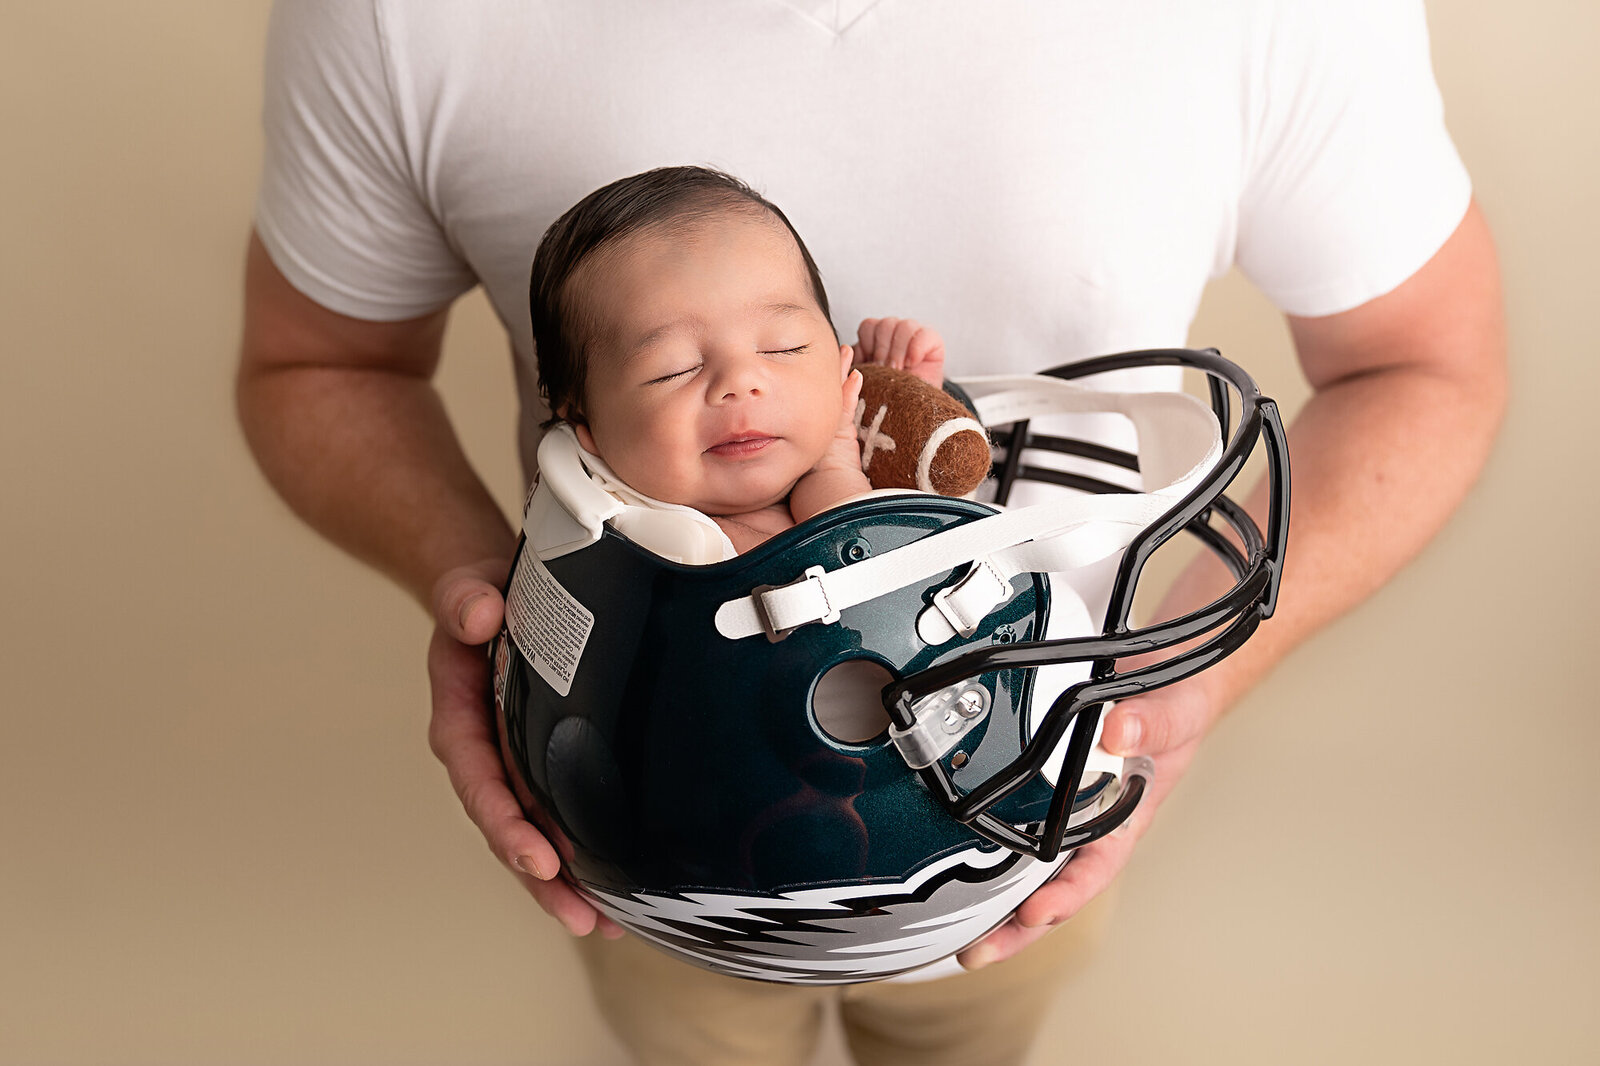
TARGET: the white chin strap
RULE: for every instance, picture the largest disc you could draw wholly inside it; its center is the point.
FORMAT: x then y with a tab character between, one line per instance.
1179	443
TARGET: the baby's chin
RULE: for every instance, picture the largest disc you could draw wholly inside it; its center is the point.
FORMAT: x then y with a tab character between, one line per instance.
731	507
716	495
754	490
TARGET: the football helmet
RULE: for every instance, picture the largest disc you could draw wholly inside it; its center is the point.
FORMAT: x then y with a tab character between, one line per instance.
855	749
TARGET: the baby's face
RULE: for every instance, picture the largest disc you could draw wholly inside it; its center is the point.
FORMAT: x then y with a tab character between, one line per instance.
714	379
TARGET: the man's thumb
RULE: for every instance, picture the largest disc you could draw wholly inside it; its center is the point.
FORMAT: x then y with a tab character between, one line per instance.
469	609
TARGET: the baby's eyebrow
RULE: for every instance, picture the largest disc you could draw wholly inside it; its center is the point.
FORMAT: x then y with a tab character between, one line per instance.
691	322
774	309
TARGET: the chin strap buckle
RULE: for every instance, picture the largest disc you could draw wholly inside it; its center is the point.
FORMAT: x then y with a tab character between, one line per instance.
959	609
784	608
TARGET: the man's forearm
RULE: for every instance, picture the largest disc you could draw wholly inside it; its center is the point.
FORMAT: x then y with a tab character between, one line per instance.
342	415
368	458
1409	394
1380	462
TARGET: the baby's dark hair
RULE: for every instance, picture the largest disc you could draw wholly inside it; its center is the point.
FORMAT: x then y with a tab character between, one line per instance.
660	197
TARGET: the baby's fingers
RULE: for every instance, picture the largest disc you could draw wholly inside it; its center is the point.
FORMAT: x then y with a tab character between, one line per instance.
924	345
850	394
899	343
864	339
883	349
925	356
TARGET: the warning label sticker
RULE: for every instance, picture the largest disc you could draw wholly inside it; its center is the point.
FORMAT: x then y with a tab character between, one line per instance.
548	625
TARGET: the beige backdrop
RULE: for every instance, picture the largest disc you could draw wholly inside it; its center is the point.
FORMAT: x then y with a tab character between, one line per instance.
223	839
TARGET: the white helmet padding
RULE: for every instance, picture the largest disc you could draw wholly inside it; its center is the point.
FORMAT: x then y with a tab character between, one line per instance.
577	494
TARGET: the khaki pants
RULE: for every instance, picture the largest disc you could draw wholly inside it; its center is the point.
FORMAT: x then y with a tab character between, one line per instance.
669	1013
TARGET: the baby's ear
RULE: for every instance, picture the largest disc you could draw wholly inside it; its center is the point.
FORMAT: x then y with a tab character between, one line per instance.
580	426
846	355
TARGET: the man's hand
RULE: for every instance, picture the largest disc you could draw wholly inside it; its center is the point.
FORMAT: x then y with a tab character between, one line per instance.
467	610
343	418
1408	392
904	344
1170	725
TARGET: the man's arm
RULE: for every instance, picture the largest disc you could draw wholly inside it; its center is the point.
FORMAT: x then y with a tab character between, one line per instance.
343	418
1408	393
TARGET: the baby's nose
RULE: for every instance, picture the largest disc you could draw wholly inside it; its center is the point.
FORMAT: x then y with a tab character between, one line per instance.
744	379
735	391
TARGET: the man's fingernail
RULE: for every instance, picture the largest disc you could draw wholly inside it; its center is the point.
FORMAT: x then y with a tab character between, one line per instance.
1129	738
526	864
466	608
979	957
1047	920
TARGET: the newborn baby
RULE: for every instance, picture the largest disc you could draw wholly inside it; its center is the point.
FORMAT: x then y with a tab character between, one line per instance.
682	329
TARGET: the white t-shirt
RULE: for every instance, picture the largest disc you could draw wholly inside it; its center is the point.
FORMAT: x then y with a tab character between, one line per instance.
1041	181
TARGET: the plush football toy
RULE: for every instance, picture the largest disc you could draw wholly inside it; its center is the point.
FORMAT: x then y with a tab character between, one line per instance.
916	436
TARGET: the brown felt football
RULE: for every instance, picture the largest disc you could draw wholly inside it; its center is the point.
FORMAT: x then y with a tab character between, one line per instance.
916	436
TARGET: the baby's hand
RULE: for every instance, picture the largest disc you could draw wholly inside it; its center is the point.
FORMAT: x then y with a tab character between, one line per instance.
838	476
904	344
844	453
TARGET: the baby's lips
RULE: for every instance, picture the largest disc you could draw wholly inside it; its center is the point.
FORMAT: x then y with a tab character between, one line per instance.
742	444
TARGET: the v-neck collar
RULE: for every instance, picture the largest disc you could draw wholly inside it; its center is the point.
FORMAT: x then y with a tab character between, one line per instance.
835	16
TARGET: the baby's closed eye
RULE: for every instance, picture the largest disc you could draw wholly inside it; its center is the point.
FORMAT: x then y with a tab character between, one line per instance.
674	374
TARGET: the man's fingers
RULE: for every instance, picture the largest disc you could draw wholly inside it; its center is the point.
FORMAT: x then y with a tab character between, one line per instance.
1123	733
466	600
1170	722
481	613
1089	873
513	839
1003	943
463	738
561	901
458	677
468	606
1154	723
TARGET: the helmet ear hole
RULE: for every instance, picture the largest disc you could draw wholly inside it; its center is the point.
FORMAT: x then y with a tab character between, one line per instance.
847	701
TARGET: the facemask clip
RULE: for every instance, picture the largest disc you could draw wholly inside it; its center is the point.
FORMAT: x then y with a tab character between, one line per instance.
942	720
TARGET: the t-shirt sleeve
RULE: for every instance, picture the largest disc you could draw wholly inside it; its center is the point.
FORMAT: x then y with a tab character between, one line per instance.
339	208
1351	180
